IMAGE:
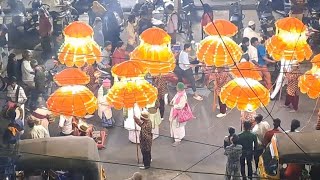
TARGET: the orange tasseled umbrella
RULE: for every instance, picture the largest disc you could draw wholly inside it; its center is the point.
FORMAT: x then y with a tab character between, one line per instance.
79	48
224	27
246	70
316	60
155	36
156	59
71	76
290	41
309	83
237	93
125	94
213	51
129	69
73	100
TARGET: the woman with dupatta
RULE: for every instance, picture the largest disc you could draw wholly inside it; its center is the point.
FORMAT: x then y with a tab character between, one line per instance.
177	129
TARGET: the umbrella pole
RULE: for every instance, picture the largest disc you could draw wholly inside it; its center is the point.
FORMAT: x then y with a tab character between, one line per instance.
135	131
214	104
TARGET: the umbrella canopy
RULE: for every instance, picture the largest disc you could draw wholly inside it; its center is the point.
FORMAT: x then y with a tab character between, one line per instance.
79	52
246	70
222	27
213	51
129	69
290	41
156	59
126	93
78	29
79	48
290	24
73	100
155	36
71	76
309	83
316	60
237	93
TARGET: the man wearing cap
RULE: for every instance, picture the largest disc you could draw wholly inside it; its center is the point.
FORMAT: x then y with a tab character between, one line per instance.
16	96
145	138
41	115
250	32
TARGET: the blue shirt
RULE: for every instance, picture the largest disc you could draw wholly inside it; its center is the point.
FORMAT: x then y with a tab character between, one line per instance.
261	54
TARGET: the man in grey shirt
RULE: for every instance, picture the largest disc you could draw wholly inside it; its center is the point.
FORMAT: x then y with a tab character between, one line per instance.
186	70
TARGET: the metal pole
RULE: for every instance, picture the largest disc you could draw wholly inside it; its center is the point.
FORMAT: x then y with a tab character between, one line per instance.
135	131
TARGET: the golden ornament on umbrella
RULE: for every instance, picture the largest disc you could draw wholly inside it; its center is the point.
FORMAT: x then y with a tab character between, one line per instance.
156	59
213	51
79	48
222	27
245	94
290	41
126	93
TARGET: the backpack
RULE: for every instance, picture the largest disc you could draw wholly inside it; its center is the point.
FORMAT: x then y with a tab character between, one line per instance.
179	21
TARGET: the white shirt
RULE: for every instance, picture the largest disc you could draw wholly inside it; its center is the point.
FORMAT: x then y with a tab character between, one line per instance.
249	33
253	53
184	60
38	131
11	93
26	70
260	130
65	123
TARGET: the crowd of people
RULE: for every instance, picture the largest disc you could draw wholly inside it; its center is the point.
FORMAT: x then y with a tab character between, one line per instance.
28	84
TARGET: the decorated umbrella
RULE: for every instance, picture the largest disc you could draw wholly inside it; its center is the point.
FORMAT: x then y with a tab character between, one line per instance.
155	36
316	60
72	99
290	41
222	27
309	83
127	93
213	51
129	69
245	94
71	76
79	48
246	70
156	59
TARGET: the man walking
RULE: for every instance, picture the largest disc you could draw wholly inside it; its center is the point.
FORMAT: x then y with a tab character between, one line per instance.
186	67
249	144
145	138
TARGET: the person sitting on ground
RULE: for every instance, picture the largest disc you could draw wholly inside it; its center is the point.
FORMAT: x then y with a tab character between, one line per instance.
36	130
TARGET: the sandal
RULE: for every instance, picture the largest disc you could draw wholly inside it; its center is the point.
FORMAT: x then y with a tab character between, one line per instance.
197	97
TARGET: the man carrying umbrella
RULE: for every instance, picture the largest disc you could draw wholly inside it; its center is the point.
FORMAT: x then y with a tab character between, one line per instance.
145	138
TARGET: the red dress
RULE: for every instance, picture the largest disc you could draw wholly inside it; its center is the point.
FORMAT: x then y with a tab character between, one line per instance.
206	19
118	56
